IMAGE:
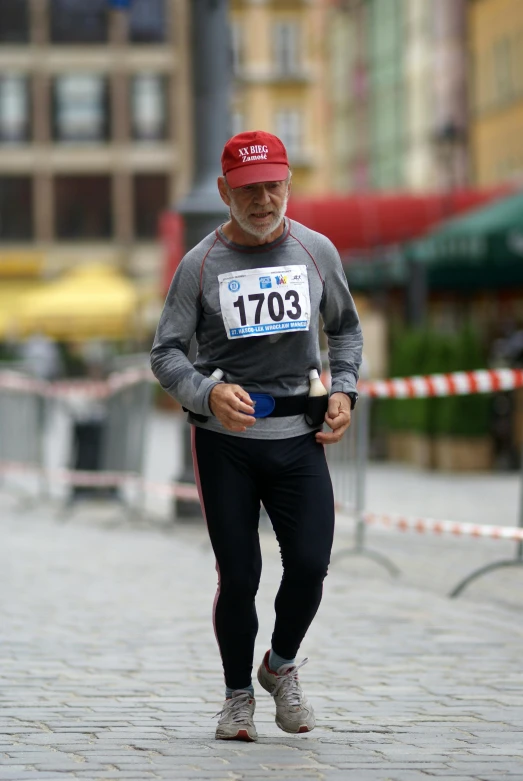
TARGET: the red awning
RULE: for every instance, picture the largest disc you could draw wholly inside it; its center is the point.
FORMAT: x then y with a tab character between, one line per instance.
358	222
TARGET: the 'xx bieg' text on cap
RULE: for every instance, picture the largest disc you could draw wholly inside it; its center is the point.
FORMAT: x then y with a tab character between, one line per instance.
254	156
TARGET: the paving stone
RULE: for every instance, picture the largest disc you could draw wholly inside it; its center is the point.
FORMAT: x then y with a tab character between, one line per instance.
99	624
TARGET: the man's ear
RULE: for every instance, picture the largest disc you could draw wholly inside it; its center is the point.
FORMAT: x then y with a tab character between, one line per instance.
224	190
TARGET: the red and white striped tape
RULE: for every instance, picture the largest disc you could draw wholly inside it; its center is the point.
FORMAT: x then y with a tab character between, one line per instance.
189	492
429	525
102	479
11	381
453	384
93	389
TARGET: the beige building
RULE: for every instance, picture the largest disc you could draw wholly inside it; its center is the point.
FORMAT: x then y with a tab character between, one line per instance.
496	60
94	131
279	69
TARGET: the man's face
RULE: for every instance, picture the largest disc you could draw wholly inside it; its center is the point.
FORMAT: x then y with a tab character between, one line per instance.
259	208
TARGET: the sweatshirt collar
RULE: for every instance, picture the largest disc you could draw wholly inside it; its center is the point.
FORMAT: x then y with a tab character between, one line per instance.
256	249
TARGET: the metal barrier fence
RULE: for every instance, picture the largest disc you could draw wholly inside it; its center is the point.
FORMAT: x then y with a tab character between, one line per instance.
107	432
124	433
127	398
348	461
22	420
456	383
343	468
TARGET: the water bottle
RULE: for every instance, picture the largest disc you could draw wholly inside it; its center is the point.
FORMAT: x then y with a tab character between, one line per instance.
318	400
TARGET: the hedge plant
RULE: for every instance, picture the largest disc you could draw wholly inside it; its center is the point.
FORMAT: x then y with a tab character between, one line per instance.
421	352
466	416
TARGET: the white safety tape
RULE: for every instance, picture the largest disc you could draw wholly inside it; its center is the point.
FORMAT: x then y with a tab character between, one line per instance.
430	525
190	492
94	389
103	479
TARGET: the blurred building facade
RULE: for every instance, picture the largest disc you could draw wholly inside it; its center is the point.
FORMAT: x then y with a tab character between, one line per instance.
279	81
401	123
346	59
496	57
94	129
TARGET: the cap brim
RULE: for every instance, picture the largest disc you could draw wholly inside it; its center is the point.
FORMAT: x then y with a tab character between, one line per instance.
253	174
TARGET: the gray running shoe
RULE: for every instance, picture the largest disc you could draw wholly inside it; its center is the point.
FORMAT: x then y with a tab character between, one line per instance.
294	713
236	718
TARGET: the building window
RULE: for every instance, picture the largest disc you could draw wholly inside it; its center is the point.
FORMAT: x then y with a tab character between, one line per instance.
83	207
149	107
289	128
16	208
237	47
81	108
147	21
287	48
503	69
78	21
14	21
14	109
151	198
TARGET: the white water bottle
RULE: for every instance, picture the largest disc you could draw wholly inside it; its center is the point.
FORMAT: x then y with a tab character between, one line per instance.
217	375
318	400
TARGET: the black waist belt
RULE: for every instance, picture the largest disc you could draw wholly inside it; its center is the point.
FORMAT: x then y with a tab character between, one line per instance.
284	406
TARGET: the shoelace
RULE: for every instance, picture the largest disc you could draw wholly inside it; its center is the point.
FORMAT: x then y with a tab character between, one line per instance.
290	685
237	707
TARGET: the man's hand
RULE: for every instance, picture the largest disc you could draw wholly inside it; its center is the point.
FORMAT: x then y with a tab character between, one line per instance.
337	418
232	406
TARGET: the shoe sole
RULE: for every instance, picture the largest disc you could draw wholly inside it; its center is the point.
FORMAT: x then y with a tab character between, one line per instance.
301	731
242	734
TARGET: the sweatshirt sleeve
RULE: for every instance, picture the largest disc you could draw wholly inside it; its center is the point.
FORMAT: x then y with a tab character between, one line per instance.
177	326
341	326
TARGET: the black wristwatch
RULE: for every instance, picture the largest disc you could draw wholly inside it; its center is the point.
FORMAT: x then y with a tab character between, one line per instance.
353	399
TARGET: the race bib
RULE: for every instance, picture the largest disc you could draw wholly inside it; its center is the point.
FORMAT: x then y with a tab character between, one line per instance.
262	301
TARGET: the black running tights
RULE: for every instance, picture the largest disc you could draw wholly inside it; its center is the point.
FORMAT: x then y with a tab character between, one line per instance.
290	477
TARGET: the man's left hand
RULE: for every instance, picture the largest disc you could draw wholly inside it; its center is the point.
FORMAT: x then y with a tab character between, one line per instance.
337	418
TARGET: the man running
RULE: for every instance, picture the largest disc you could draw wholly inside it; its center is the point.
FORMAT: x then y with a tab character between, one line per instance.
252	292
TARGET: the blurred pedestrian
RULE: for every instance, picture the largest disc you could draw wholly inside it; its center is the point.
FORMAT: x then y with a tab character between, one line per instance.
41	357
252	293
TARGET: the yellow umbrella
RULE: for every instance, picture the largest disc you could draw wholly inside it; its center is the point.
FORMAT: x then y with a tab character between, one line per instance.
12	292
93	301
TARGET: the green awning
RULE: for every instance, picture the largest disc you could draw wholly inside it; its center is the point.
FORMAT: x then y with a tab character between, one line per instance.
490	236
482	249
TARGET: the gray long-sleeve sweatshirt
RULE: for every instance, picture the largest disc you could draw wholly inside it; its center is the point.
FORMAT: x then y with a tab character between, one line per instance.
255	312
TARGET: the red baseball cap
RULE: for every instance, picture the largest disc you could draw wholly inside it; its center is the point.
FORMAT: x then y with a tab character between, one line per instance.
252	157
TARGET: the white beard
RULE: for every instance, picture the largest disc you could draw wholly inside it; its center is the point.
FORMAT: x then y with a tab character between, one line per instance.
259	231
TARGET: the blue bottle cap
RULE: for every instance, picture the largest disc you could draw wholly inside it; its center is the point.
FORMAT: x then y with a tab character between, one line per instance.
265	404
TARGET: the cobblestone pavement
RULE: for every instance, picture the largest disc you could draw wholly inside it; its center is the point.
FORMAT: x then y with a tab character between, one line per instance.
109	667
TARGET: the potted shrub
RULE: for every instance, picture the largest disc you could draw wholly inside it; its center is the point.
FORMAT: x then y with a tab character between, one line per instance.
462	441
394	414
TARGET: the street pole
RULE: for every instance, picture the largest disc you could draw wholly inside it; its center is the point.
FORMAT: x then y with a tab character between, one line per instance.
202	209
417	293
